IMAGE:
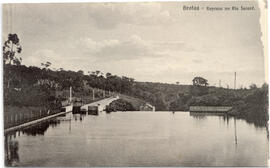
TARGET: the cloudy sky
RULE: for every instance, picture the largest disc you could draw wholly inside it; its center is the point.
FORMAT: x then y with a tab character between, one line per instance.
155	41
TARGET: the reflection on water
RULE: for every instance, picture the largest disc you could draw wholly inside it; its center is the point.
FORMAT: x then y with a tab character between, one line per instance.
139	139
235	132
225	117
78	117
198	116
12	144
40	128
11	151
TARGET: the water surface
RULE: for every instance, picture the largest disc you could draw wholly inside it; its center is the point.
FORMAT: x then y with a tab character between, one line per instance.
139	139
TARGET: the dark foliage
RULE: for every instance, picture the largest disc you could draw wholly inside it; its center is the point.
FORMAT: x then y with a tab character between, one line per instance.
11	48
120	105
33	86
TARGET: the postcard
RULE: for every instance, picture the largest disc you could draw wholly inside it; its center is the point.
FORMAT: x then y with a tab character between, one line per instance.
135	84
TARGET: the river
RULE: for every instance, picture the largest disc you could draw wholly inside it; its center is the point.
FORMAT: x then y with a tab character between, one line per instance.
139	139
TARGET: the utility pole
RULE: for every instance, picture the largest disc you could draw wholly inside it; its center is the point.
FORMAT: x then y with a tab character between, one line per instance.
70	94
234	80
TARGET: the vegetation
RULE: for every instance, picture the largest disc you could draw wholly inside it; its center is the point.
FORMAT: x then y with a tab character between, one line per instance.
135	102
120	105
253	106
11	49
33	86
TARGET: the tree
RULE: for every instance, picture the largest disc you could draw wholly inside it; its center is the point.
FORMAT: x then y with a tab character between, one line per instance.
265	86
177	83
97	72
108	75
253	86
199	81
11	48
46	65
80	72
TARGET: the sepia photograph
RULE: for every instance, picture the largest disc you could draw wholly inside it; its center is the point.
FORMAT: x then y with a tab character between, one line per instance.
135	84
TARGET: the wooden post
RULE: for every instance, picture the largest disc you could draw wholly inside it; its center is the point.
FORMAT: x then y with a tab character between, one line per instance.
70	94
93	94
5	121
11	116
11	119
15	119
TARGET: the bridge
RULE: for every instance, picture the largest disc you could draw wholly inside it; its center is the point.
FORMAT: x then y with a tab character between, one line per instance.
101	104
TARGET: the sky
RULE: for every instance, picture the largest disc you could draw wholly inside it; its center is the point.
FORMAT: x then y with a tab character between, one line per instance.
154	41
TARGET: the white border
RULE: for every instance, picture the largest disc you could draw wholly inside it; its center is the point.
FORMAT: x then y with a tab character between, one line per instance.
83	1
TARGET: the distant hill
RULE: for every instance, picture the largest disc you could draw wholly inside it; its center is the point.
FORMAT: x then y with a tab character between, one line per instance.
158	94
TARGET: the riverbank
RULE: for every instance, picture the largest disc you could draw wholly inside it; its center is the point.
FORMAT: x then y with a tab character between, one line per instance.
17	117
249	104
14	128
